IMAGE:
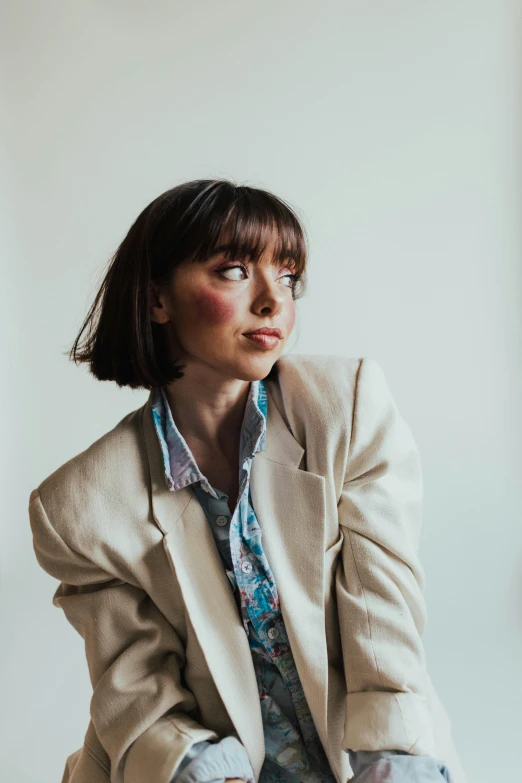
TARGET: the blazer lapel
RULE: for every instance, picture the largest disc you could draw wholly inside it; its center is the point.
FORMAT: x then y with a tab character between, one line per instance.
290	507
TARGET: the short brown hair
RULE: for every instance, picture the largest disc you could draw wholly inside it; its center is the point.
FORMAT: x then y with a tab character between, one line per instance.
187	223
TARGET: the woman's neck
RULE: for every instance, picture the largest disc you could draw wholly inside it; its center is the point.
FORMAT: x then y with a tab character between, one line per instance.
210	418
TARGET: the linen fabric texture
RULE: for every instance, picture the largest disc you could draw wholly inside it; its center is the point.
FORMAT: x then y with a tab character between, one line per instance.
293	752
168	657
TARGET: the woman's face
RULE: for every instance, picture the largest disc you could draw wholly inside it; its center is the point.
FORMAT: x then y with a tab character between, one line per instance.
208	307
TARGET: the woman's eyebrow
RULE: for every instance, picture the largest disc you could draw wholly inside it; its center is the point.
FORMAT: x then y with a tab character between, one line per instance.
220	249
227	246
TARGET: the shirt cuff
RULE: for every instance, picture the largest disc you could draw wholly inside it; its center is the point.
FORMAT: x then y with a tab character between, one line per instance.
396	766
191	753
213	762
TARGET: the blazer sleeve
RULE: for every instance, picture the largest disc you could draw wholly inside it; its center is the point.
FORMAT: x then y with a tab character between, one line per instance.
379	580
139	705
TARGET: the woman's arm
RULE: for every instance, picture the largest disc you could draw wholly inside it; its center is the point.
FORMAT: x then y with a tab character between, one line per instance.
380	580
139	706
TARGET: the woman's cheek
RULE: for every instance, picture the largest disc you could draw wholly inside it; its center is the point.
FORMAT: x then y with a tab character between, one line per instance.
291	318
213	308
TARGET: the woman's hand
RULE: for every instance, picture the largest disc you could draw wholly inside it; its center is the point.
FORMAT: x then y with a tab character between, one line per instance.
235	780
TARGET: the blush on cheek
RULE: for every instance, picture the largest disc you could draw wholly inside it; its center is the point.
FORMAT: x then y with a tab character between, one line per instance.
213	308
291	319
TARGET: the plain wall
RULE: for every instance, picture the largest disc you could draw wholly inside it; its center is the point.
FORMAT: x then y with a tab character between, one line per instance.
393	127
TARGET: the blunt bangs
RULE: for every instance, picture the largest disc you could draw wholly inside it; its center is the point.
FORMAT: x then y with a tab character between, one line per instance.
238	220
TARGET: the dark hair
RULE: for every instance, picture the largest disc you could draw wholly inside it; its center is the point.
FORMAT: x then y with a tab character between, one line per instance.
187	223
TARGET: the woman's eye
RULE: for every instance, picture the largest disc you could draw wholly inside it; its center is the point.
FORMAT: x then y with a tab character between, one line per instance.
229	268
291	277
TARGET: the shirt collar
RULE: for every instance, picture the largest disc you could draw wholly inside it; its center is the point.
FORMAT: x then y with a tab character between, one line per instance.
179	465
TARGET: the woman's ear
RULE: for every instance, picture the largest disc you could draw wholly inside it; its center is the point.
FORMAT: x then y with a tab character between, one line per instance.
157	309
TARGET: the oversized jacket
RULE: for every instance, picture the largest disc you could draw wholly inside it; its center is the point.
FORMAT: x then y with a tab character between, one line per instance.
338	493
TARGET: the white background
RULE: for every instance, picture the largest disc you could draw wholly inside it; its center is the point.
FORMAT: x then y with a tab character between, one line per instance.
394	129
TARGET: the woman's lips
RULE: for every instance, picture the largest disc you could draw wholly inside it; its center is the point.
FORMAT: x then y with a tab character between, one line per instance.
265	340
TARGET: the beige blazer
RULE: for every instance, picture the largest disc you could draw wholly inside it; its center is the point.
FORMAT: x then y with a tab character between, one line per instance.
338	495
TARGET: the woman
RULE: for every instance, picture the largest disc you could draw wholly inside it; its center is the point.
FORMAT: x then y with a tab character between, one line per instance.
239	553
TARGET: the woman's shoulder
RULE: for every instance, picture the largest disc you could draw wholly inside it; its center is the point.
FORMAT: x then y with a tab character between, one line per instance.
321	391
317	367
114	465
325	380
324	374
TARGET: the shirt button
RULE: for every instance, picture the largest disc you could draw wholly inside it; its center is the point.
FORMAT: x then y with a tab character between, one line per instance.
273	633
221	520
246	567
